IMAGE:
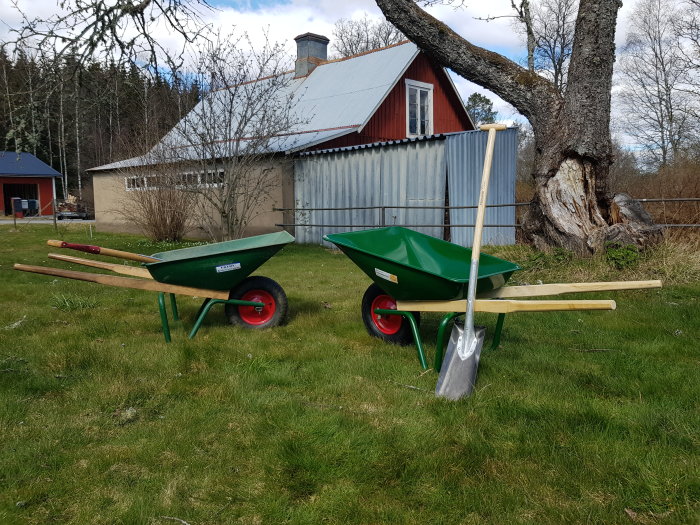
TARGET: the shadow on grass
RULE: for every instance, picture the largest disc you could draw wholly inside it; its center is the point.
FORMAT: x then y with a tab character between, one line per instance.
299	306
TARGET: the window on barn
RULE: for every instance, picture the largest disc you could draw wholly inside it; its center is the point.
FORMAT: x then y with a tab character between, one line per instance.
134	183
185	180
155	182
213	178
419	108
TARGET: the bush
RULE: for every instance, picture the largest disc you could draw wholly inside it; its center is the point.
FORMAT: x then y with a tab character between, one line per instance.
621	256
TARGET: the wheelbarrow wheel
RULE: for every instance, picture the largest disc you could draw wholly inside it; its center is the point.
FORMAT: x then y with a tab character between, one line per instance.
390	328
263	290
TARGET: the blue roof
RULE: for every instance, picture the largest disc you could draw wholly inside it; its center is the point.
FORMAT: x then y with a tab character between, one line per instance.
24	165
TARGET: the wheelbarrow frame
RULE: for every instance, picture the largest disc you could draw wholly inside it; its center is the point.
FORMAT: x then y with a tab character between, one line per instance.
225	266
211	297
420	273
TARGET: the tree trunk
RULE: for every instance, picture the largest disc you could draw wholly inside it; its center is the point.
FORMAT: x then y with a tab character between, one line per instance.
77	137
573	151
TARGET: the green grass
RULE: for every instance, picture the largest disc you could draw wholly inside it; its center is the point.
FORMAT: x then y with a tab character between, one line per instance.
580	417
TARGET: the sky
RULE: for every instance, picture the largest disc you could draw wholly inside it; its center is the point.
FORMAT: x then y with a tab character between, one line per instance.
285	19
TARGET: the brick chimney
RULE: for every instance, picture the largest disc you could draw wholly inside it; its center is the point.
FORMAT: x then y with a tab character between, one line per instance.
312	50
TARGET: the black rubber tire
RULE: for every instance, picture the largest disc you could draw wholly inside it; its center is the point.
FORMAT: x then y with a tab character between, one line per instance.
236	314
402	336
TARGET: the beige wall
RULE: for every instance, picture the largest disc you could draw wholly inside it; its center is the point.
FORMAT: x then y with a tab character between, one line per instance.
112	199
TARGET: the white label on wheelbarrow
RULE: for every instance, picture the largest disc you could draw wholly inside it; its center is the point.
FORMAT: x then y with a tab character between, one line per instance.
228	267
386	275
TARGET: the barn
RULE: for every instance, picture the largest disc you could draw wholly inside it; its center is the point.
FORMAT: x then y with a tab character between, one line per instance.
23	176
379	98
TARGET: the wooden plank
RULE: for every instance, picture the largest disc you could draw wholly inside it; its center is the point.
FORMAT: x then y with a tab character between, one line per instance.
134	271
537	290
505	306
124	282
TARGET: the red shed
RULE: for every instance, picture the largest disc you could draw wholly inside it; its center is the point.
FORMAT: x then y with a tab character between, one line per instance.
24	176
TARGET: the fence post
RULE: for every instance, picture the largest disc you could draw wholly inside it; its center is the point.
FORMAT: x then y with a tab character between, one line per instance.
383	212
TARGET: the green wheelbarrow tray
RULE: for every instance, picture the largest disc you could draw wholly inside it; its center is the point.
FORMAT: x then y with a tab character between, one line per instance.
218	266
409	265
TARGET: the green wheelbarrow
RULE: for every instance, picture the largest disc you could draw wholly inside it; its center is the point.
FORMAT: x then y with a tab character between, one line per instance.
413	273
218	272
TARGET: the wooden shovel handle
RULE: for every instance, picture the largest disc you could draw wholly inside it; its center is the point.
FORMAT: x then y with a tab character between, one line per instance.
497	127
97	250
481	210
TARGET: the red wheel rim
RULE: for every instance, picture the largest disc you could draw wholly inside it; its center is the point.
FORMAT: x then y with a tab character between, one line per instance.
257	315
386	324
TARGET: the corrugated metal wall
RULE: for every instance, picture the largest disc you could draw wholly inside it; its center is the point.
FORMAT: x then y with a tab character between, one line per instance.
405	174
465	163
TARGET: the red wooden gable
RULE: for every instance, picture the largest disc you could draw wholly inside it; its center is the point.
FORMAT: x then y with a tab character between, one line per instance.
389	121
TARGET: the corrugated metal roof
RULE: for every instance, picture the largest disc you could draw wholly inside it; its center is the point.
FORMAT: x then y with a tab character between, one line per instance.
337	98
143	160
24	165
423	138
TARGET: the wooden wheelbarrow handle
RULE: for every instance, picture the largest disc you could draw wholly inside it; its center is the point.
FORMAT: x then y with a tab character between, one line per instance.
134	271
123	282
97	250
505	306
535	290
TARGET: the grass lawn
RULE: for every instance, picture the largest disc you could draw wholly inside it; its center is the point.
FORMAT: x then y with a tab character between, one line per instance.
579	417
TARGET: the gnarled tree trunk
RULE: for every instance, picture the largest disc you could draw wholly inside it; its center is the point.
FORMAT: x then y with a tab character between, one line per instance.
573	152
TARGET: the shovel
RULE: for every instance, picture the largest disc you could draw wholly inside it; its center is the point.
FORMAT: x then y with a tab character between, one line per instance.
458	371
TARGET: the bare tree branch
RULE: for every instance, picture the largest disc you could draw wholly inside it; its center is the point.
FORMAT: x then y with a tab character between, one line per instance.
351	37
119	30
655	73
228	140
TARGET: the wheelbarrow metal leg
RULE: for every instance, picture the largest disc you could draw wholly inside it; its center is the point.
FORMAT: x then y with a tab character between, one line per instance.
208	303
163	316
414	329
173	306
201	308
497	332
203	311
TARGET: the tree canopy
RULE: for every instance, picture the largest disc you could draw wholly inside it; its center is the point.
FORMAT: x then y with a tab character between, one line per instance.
480	109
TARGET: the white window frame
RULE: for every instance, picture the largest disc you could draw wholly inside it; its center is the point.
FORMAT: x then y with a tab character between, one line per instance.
134	186
421	86
210	179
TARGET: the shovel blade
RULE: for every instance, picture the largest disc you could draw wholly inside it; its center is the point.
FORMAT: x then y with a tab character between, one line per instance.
457	375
